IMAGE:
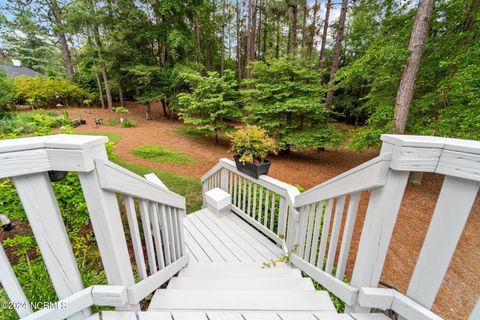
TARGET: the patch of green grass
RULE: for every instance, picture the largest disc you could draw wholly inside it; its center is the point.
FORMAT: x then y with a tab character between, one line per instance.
188	187
191	132
161	154
128	123
112	122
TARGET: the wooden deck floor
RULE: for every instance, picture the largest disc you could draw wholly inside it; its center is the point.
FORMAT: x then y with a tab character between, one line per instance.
227	239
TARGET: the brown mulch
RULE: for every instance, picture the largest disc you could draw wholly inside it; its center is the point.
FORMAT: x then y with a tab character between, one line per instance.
461	286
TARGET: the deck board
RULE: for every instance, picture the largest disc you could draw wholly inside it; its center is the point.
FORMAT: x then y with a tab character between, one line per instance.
227	239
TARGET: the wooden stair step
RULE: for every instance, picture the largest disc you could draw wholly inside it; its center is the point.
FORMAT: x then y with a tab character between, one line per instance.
238	271
256	300
232	283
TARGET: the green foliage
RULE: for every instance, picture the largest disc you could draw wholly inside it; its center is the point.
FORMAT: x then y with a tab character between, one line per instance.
286	98
161	154
37	123
121	110
128	123
6	90
112	122
44	92
252	144
212	102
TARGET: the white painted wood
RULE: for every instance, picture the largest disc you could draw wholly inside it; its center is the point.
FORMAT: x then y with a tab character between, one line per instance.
76	306
115	178
337	222
296	316
345	292
147	233
347	234
235	283
368	175
140	290
165	234
269	233
248	212
224	316
409	309
255	208
95	316
23	162
272	251
238	270
181	230
115	296
369	316
135	235
189	316
316	231
415	158
152	177
157	238
143	315
376	298
118	315
11	286
449	218
202	241
260	205
39	203
377	230
195	249
308	241
302	230
325	231
169	229
107	225
459	164
260	316
267	203
272	212
173	299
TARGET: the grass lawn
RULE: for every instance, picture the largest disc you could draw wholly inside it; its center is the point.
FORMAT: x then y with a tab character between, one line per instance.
190	188
161	154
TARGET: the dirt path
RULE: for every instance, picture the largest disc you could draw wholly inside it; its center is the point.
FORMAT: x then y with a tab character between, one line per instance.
461	286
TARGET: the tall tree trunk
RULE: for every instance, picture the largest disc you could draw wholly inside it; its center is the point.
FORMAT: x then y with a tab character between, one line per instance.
120	96
304	26
239	42
336	53
67	58
325	33
259	31
198	50
222	51
103	68
254	30
409	76
277	42
100	89
250	36
313	30
293	31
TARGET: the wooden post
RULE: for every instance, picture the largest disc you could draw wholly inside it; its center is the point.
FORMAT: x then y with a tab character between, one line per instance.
107	225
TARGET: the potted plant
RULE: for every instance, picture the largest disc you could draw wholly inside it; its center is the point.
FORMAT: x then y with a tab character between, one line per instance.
251	145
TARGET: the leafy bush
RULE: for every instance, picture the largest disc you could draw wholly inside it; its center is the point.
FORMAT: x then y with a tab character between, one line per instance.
161	154
112	122
128	123
212	102
43	92
121	110
252	144
286	98
6	90
37	123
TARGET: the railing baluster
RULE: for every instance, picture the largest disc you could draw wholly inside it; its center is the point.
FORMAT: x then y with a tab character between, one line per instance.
163	222
249	206
39	203
316	231
153	210
12	287
170	234
347	234
337	222
176	235
272	211
135	235
325	230
244	202
301	232
147	233
282	217
254	208
308	244
239	191
265	217
260	205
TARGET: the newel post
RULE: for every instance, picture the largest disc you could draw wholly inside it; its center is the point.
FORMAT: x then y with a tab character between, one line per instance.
378	227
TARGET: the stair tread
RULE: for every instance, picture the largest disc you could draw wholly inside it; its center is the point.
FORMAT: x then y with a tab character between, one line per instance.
252	300
238	271
234	283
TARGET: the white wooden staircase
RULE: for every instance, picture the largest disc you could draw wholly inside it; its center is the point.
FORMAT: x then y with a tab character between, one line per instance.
209	266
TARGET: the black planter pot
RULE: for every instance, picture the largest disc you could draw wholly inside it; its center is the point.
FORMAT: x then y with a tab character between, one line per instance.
254	170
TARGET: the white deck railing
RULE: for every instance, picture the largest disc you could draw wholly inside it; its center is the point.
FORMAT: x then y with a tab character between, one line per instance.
324	213
27	162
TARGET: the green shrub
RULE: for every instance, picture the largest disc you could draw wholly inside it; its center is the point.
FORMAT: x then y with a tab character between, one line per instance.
37	122
161	154
121	110
252	144
6	90
43	92
128	123
112	122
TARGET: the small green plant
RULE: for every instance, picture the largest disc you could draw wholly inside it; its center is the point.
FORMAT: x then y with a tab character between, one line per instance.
128	123
121	110
112	122
161	154
252	144
285	259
